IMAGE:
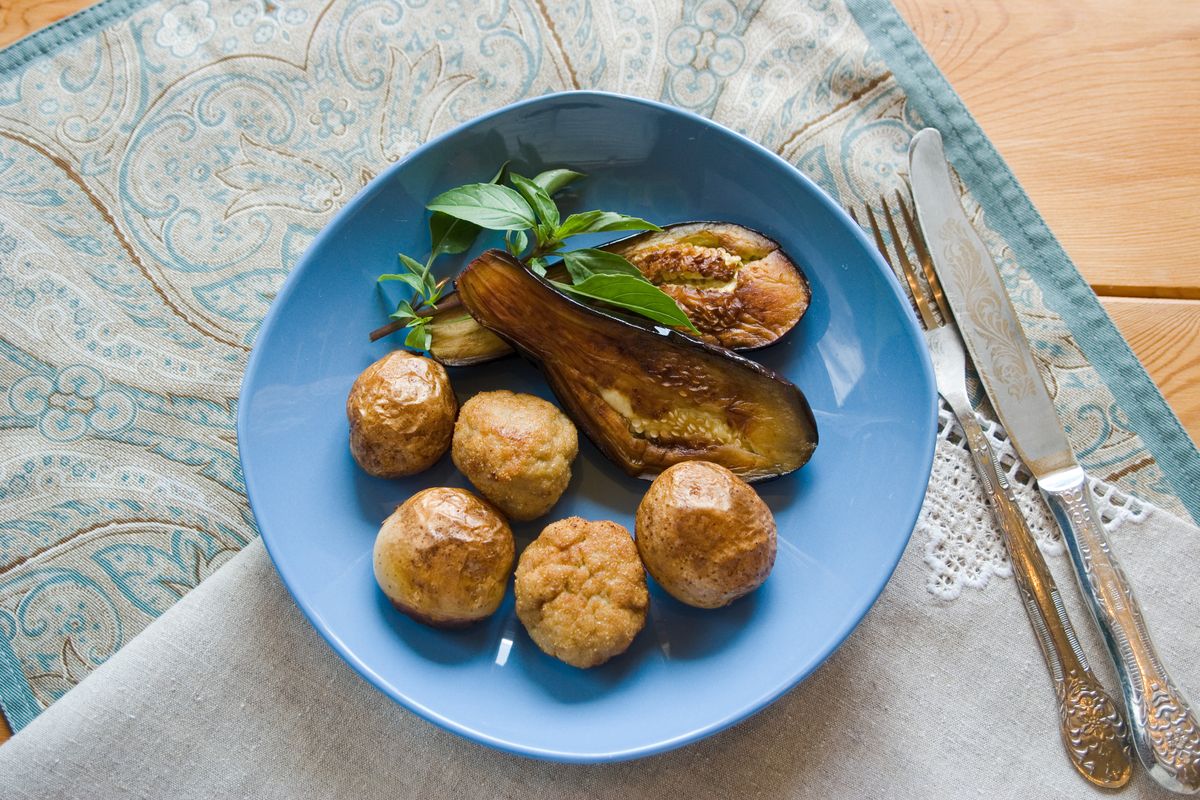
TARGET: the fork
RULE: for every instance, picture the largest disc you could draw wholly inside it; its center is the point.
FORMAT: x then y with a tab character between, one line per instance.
1091	727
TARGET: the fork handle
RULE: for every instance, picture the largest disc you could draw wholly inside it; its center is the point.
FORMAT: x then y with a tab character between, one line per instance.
1166	734
1091	726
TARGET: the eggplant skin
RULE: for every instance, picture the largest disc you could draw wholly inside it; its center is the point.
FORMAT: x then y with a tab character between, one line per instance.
735	284
647	397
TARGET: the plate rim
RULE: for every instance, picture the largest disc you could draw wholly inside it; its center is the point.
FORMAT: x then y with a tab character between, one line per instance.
853	618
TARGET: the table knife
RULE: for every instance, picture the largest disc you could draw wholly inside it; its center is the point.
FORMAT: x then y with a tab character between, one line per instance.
1165	732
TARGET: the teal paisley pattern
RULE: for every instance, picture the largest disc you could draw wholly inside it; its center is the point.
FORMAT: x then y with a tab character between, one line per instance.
159	177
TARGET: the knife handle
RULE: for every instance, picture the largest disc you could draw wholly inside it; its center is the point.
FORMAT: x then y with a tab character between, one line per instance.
1089	722
1166	734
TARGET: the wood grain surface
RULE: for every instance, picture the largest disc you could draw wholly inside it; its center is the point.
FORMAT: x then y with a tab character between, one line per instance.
1166	336
1095	104
20	18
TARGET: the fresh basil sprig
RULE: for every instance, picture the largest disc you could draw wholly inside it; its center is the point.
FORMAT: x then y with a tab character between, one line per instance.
534	231
448	235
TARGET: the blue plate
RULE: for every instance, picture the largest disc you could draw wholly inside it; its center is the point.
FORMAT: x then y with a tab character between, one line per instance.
843	519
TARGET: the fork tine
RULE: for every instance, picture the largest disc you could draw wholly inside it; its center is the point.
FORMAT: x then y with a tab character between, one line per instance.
923	256
853	216
910	274
879	245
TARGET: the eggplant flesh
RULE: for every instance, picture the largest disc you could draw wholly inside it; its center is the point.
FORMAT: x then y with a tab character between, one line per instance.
647	397
735	284
457	340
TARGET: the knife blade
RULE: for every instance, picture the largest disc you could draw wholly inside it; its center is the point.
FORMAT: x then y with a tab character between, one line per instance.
1165	732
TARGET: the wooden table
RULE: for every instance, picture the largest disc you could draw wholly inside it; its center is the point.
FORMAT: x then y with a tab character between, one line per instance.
1095	104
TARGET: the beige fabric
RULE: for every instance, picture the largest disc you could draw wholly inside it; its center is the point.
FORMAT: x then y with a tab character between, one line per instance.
232	694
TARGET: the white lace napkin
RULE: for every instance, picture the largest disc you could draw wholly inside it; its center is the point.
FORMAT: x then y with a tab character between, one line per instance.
941	692
963	548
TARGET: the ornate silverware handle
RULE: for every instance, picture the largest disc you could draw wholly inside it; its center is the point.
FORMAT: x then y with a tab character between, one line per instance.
1165	732
1090	723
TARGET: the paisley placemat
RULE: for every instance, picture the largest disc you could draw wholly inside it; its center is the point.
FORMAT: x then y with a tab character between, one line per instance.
163	164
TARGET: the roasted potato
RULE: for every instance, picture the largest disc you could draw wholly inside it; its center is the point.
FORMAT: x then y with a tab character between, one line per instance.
517	449
705	535
444	557
581	591
401	411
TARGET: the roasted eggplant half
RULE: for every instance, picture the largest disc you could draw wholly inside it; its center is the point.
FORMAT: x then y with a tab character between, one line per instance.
647	397
736	285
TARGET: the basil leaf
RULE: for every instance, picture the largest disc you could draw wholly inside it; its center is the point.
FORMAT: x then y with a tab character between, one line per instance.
538	198
538	265
497	208
554	179
520	241
450	236
404	311
627	292
499	176
601	221
414	281
584	263
418	338
414	266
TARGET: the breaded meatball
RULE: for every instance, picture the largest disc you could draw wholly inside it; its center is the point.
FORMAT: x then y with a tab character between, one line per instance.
401	411
517	449
444	557
581	591
705	535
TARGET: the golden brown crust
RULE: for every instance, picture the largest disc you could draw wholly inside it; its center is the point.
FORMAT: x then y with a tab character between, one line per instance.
736	285
516	449
581	591
704	535
444	557
401	411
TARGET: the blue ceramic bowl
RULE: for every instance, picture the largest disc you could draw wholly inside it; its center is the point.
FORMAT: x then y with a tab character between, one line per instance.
843	519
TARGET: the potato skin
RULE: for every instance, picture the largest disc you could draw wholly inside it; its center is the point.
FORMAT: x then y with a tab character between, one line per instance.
517	449
704	535
581	591
444	557
401	411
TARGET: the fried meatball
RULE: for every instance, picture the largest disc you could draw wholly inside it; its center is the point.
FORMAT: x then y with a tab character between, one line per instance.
581	591
444	557
705	535
517	449
401	411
